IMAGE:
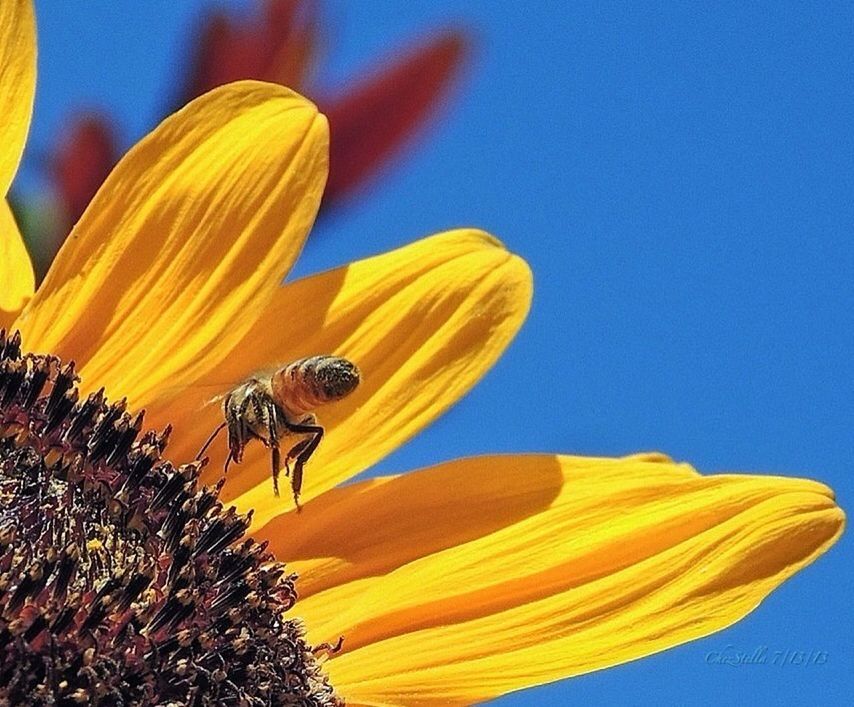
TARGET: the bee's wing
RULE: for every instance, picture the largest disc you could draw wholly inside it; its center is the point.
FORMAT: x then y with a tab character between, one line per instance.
214	393
216	399
210	393
265	373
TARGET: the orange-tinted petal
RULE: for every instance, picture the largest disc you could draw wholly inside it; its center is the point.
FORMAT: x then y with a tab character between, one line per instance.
423	323
372	120
482	576
17	83
194	228
17	281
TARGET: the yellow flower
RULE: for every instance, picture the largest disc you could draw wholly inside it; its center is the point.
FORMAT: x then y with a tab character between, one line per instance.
450	585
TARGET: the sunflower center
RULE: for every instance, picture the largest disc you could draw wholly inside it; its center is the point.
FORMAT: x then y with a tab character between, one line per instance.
122	581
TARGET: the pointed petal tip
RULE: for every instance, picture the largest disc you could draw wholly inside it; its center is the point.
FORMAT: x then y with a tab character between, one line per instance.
272	90
514	268
254	91
464	235
783	485
515	271
455	44
488	240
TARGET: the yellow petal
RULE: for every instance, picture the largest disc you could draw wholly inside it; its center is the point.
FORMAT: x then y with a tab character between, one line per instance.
483	576
423	323
17	281
198	223
17	83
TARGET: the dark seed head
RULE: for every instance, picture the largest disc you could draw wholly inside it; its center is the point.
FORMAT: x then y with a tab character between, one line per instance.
121	581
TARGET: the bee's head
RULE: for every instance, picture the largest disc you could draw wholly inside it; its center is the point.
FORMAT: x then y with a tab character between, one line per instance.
338	377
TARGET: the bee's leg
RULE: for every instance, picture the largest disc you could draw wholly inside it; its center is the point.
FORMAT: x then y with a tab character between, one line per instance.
276	463
238	431
303	455
236	437
293	453
296	481
273	441
245	432
210	440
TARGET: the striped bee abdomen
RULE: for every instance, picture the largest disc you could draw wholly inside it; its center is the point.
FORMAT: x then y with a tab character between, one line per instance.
304	385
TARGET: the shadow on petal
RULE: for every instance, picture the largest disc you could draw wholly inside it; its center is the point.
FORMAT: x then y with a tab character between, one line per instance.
370	528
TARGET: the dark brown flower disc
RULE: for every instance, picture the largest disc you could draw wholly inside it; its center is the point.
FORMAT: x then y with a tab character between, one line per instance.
122	582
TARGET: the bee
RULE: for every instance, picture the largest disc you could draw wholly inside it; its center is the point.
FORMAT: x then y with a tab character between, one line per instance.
271	407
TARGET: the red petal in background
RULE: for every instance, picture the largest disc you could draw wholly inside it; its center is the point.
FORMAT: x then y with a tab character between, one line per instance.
212	61
275	46
291	38
371	122
83	160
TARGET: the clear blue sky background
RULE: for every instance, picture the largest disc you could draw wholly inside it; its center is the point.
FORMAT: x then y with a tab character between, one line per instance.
680	179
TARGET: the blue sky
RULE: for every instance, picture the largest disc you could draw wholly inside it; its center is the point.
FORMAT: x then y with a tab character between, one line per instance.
680	180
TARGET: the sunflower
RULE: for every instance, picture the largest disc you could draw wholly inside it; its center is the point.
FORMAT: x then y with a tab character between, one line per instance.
450	585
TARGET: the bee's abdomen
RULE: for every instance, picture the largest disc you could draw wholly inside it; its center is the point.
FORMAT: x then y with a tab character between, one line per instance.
306	384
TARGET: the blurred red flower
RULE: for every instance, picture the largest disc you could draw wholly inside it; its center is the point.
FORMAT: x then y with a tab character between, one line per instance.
86	153
370	121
